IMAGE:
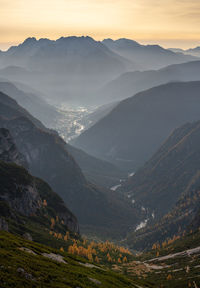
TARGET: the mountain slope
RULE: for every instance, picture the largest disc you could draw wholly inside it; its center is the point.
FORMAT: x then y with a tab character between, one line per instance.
48	158
135	129
8	150
10	109
192	51
182	218
170	172
131	83
173	263
28	264
79	53
24	198
99	113
68	69
97	171
146	56
35	105
168	186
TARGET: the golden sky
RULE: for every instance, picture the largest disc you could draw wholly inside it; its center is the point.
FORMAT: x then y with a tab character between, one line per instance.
171	23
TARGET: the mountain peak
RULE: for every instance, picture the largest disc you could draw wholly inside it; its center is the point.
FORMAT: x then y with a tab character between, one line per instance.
30	40
75	38
122	42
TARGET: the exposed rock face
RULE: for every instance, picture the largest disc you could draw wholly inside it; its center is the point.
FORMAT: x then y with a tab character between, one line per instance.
8	150
22	193
21	197
24	199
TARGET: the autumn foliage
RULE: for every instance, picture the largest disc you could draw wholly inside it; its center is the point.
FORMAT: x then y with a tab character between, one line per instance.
106	252
99	252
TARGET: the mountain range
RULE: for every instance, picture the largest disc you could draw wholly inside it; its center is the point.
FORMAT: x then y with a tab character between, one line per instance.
130	134
100	172
97	209
133	177
35	105
131	83
74	68
27	203
145	56
192	51
168	185
70	67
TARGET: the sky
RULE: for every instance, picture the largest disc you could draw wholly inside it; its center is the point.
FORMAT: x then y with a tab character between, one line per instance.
170	23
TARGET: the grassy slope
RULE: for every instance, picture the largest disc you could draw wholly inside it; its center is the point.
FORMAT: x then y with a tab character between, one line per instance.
151	272
46	272
141	273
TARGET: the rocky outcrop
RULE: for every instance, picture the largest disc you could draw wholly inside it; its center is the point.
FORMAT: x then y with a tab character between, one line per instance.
24	199
8	149
23	194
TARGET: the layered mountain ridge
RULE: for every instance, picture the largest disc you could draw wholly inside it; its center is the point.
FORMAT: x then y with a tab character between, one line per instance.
75	68
168	186
136	127
25	199
130	83
146	56
48	158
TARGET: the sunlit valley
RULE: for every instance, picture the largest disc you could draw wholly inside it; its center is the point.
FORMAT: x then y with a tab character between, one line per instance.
99	149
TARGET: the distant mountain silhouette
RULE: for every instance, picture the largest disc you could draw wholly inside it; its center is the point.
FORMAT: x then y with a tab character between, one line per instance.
38	107
133	82
72	69
98	171
146	56
67	55
13	70
192	51
135	129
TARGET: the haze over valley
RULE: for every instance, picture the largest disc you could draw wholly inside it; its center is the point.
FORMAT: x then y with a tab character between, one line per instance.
99	144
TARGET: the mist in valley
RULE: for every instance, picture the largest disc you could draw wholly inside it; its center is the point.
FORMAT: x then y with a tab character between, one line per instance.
99	161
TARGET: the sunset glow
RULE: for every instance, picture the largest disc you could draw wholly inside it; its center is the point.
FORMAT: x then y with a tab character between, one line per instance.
168	22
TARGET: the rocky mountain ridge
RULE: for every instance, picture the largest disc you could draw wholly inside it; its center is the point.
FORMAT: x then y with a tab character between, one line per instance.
46	153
